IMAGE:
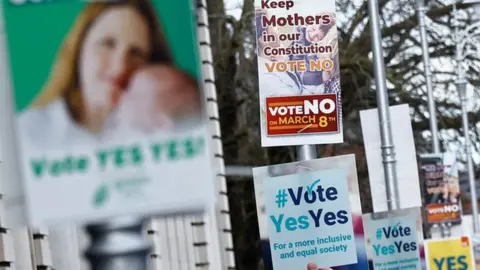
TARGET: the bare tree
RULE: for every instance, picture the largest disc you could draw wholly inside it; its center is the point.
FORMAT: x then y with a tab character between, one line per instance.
233	43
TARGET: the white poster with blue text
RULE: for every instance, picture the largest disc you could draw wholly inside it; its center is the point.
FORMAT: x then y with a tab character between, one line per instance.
310	219
394	239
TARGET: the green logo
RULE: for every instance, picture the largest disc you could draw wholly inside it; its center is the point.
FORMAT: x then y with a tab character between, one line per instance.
127	188
101	196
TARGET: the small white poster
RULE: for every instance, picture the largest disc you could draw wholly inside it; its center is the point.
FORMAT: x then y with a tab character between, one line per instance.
405	156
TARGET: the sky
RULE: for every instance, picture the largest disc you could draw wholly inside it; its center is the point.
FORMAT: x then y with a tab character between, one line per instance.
233	7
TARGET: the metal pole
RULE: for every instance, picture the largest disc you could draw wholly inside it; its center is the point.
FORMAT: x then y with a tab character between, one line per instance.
239	170
470	169
421	9
388	148
306	152
462	90
119	244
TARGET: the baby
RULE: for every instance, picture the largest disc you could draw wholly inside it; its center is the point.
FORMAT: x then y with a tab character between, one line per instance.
158	97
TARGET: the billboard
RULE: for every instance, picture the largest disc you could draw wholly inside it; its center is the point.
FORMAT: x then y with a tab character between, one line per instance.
108	108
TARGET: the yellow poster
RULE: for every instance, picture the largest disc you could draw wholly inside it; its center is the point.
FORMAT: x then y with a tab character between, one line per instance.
450	254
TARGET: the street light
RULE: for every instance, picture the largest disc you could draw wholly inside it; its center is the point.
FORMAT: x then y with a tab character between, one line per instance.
421	10
386	137
462	51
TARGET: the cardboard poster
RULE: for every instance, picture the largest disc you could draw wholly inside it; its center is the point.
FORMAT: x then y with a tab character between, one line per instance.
442	188
299	72
309	212
405	157
449	254
109	110
394	239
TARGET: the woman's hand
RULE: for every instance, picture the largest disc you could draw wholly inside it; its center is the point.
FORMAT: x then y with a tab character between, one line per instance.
312	266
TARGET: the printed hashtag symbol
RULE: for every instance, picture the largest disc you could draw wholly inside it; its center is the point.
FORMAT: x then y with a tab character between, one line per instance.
379	234
281	198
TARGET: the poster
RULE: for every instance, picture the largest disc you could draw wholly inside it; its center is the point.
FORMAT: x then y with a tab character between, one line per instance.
477	256
476	252
448	254
476	247
109	109
394	239
405	157
269	180
442	188
298	72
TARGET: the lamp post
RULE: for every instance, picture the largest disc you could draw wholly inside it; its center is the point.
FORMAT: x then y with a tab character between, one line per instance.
421	10
462	40
386	137
119	244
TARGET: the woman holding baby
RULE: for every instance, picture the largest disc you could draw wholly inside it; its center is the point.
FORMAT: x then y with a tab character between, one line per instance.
113	72
294	83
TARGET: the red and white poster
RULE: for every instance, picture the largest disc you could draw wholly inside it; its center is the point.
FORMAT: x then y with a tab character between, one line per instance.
299	72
